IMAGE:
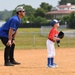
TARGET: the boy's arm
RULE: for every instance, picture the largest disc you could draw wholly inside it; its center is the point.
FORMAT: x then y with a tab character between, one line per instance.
56	38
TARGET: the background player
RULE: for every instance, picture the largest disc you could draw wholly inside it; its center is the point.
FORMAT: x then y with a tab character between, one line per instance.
52	38
7	36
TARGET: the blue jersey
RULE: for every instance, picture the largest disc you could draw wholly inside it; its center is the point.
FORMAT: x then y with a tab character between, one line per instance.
14	23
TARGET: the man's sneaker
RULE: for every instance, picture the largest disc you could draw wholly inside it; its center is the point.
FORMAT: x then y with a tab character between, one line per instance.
8	64
15	63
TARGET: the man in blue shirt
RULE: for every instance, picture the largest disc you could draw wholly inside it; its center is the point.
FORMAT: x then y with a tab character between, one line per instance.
7	36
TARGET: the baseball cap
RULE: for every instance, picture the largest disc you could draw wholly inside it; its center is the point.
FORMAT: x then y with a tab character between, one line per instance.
20	8
53	22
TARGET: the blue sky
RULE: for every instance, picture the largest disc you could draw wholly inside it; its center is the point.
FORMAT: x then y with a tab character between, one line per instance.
11	4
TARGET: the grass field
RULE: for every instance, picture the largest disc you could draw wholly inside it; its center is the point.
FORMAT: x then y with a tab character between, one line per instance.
31	38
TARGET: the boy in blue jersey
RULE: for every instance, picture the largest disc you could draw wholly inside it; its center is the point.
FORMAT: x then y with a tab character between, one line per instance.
7	36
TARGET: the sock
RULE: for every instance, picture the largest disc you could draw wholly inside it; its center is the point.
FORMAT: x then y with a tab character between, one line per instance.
49	61
52	61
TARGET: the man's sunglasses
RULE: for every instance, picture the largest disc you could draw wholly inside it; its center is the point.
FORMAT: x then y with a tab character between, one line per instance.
22	11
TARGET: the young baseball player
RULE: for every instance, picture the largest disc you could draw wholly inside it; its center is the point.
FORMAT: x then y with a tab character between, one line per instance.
52	38
7	36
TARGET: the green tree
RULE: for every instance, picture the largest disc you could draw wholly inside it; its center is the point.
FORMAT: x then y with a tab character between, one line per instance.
5	14
14	12
46	6
64	19
71	20
24	19
63	2
29	10
1	16
40	12
31	18
40	20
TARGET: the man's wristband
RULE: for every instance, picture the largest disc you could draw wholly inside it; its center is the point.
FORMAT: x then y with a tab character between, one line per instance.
13	39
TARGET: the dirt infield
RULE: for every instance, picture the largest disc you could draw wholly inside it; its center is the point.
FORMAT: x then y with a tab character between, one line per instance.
33	62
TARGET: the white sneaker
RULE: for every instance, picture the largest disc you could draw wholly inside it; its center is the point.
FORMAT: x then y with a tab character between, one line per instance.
55	65
52	66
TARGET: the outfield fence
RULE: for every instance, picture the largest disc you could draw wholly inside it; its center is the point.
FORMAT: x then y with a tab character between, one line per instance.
37	40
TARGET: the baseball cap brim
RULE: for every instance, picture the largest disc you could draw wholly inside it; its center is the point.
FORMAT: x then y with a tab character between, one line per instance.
53	22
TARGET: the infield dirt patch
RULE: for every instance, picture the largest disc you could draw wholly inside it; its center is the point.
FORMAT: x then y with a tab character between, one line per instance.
33	62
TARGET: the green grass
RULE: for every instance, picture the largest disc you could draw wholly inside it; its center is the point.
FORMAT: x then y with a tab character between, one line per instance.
28	29
66	43
30	38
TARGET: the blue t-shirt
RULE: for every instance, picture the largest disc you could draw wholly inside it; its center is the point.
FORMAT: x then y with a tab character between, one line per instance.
14	23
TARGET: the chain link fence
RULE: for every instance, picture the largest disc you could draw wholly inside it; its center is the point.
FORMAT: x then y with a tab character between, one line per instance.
38	41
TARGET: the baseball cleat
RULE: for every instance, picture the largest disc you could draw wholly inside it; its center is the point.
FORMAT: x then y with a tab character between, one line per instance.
55	65
52	66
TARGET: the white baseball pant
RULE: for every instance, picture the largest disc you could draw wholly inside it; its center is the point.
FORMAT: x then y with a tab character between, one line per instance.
50	48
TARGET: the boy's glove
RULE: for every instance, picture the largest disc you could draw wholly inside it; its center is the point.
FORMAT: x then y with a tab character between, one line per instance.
61	35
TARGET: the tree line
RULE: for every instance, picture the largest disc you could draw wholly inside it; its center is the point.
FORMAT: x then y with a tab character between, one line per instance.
5	14
37	17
